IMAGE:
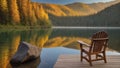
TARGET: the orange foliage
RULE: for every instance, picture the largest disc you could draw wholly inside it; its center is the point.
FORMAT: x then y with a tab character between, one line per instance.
3	5
65	42
23	12
13	10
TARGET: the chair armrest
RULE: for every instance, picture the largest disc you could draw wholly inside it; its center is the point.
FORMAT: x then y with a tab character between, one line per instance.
83	43
100	39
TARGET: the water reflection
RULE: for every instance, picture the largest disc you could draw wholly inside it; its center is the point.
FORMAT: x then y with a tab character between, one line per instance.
32	64
69	42
68	37
52	42
9	41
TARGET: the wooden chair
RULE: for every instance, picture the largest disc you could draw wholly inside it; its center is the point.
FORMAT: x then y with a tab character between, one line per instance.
98	46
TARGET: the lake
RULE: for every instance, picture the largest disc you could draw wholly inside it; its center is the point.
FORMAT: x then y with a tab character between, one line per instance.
53	42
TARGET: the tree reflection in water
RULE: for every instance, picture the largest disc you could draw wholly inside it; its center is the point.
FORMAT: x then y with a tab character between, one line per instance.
45	39
9	41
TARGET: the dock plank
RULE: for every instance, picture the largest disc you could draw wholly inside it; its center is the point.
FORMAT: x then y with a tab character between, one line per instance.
73	61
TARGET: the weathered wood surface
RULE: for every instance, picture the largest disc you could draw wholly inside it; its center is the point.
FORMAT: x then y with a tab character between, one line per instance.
73	61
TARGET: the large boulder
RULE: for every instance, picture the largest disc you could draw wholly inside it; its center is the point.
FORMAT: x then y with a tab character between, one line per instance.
26	52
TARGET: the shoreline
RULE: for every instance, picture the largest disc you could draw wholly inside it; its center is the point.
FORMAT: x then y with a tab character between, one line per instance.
64	27
23	27
55	27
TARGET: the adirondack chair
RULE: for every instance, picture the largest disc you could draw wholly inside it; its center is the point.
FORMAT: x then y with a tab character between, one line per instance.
99	42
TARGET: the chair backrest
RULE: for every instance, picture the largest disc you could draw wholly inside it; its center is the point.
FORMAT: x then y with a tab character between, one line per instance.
99	42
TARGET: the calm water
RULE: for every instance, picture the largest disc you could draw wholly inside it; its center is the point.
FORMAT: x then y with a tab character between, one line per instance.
53	43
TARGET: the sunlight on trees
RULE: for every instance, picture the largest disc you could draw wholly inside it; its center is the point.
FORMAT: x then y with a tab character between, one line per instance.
3	11
13	12
22	12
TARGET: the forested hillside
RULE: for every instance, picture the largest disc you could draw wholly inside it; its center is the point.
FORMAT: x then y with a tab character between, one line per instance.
108	17
26	12
22	12
77	8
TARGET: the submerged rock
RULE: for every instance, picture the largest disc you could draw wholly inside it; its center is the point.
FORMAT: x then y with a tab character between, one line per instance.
26	52
33	64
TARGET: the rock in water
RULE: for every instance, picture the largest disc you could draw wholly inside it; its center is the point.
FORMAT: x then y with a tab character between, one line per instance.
25	52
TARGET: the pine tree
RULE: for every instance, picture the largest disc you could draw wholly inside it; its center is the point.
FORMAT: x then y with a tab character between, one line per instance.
3	12
13	12
32	17
24	11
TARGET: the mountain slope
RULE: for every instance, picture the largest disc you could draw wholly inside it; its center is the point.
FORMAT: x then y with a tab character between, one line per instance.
108	17
81	7
100	6
77	9
59	10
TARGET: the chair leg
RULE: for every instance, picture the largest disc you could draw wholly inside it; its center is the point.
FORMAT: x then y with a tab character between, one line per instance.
81	55
90	62
104	56
96	56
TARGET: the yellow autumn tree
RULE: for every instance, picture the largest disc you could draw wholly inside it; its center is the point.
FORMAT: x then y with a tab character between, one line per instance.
23	12
23	9
41	15
32	16
13	12
3	12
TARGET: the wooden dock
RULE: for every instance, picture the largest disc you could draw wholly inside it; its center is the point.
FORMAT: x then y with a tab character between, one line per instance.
73	61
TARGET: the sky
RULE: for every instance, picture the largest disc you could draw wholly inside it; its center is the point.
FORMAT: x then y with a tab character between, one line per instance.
70	1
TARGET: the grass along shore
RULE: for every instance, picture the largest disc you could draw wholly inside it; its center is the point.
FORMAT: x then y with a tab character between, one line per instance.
22	27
